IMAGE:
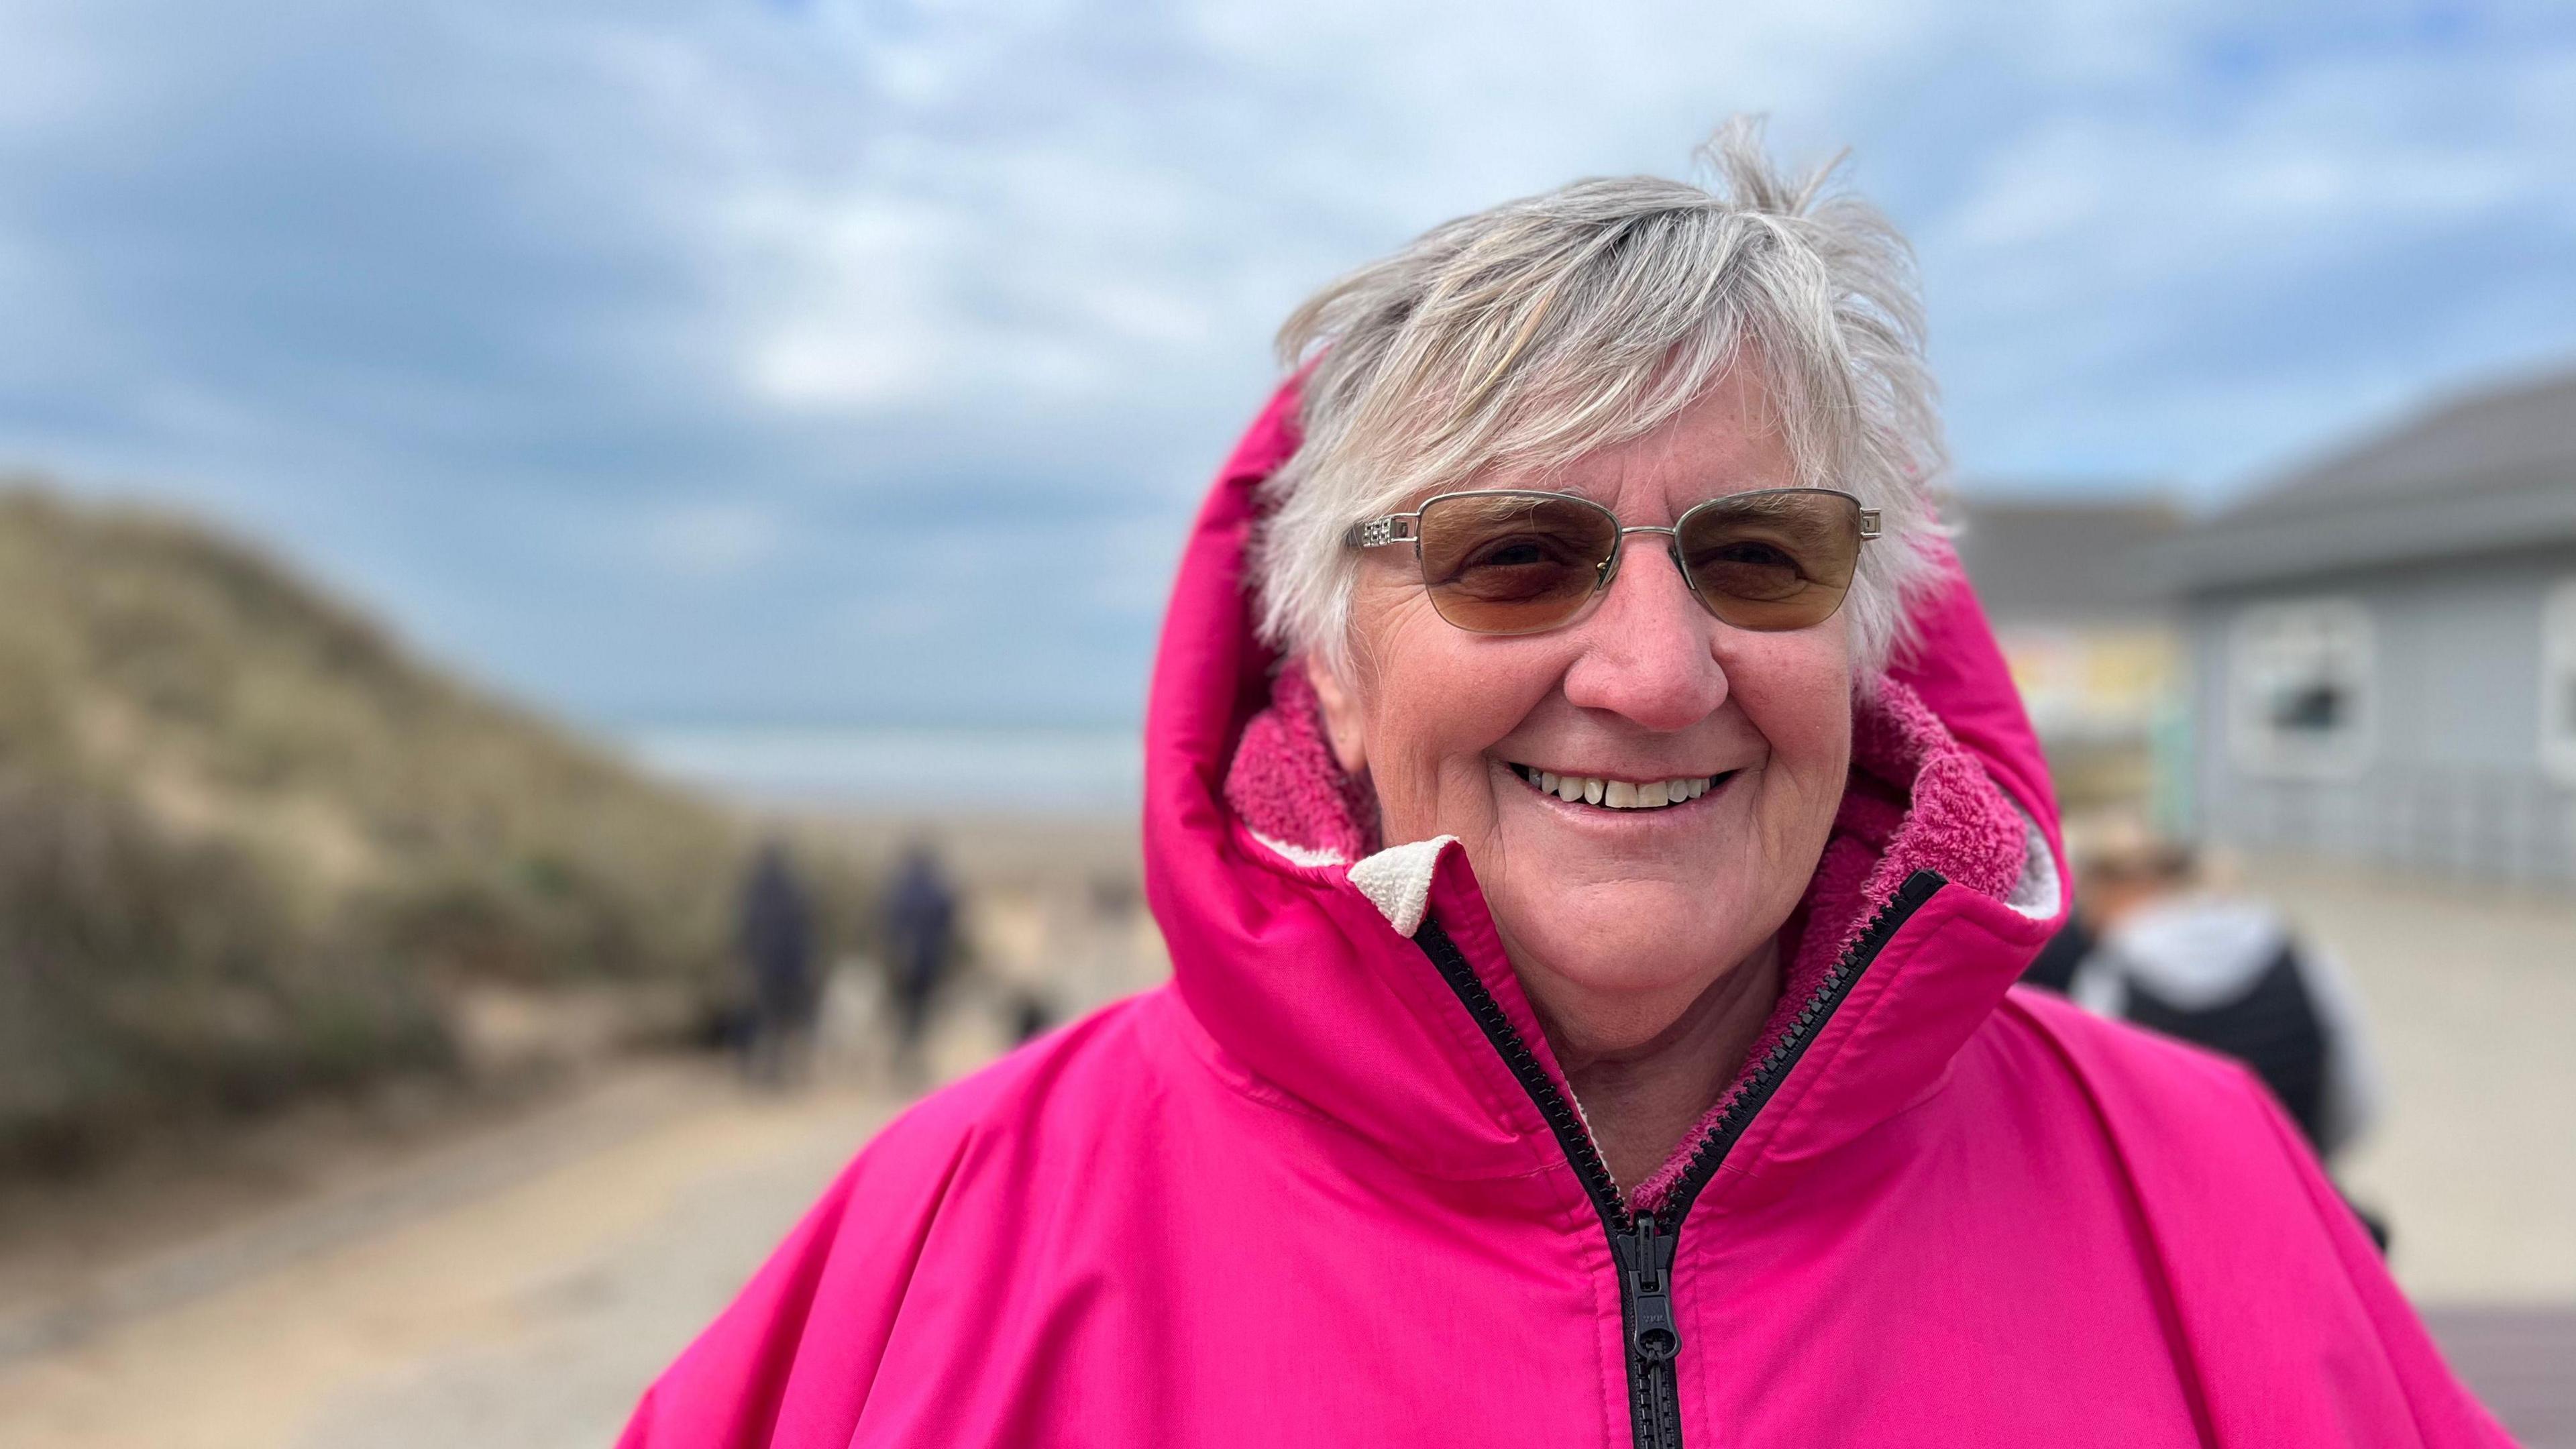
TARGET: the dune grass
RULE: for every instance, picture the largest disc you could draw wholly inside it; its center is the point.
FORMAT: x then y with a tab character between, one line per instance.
249	843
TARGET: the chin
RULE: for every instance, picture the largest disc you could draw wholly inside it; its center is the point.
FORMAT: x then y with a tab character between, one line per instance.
1646	940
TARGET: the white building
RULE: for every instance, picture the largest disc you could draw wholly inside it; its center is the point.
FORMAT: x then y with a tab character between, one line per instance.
2383	647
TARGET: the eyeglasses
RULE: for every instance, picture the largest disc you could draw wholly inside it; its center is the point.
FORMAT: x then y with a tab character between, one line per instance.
1509	561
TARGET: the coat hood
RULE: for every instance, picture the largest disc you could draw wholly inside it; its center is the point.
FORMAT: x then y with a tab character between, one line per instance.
1291	932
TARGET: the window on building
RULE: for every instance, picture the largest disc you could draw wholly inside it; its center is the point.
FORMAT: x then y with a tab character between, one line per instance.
2300	688
2558	683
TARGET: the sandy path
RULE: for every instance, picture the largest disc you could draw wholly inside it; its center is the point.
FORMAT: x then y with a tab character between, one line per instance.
529	1314
2472	1000
516	1286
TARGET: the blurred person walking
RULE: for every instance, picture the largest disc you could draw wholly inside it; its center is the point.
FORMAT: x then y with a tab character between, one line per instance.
2155	942
775	933
921	942
2171	952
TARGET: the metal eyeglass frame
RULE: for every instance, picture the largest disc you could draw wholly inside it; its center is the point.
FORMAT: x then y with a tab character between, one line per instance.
1407	528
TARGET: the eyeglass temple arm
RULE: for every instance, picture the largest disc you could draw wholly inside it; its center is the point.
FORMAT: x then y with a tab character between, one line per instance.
1379	532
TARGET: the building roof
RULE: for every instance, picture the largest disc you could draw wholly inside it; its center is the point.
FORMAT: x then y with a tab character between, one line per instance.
2490	469
2063	558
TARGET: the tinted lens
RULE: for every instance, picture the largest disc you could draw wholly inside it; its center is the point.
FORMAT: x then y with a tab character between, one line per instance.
1774	559
1513	563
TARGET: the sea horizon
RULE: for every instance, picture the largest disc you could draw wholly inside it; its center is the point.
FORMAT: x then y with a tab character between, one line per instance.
1083	770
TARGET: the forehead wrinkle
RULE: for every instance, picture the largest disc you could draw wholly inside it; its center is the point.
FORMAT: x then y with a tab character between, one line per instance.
1747	457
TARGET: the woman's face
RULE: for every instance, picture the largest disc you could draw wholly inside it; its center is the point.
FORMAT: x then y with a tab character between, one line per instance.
1616	920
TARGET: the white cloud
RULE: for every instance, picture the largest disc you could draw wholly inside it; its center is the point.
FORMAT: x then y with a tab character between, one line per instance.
1045	205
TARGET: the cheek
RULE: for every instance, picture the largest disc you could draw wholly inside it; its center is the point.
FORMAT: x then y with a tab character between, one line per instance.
1798	695
1435	699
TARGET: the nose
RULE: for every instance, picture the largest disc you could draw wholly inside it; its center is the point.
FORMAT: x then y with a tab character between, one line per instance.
1649	650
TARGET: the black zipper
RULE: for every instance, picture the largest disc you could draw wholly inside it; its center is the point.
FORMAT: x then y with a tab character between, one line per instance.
1643	1243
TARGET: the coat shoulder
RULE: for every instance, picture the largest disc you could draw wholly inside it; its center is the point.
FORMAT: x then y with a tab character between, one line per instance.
2283	1309
791	1361
2129	1070
1080	1074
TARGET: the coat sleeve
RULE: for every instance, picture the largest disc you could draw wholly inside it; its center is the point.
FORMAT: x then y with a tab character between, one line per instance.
2284	1323
792	1361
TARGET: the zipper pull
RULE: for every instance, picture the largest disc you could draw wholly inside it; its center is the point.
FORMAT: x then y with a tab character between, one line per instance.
1648	1252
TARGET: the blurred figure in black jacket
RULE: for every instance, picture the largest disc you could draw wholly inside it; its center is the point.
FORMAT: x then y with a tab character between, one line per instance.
2153	943
775	933
920	938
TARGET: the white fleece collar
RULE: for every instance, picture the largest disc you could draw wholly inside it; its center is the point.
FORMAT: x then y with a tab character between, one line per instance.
1397	880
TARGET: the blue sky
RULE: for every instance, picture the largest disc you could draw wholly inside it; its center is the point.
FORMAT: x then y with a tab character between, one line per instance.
813	362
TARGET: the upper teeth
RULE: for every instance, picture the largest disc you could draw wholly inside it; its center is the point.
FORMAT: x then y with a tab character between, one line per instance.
1619	794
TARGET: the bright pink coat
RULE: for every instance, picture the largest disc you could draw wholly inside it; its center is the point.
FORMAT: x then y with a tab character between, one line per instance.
1325	1187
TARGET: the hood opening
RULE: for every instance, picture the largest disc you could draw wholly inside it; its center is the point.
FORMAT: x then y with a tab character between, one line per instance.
1287	919
1917	800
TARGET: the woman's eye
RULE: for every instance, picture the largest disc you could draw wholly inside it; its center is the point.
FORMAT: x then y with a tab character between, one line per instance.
1508	555
1751	555
1523	551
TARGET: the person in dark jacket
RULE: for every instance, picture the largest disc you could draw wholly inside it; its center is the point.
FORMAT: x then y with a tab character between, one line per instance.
775	934
2168	952
920	938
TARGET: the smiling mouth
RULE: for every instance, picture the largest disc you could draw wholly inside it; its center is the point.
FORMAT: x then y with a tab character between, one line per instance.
1610	794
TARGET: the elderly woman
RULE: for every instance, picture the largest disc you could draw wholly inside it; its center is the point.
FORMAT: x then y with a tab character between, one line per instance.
1595	836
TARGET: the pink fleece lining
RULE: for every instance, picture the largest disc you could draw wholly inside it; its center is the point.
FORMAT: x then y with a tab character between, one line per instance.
1285	785
1917	800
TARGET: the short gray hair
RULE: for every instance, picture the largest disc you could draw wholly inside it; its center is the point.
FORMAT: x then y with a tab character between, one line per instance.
1547	328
